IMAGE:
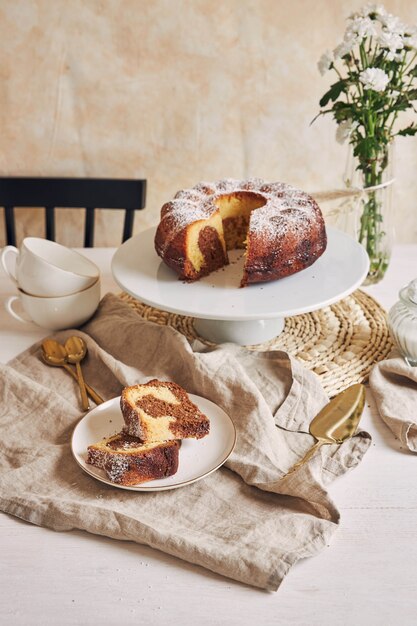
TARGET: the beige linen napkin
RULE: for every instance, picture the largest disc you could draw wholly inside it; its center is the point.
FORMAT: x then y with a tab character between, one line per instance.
394	386
248	520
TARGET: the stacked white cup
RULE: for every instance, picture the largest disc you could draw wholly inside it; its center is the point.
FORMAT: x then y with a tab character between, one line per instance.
57	287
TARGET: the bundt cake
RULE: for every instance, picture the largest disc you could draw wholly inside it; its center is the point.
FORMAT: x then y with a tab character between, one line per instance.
161	411
127	461
281	227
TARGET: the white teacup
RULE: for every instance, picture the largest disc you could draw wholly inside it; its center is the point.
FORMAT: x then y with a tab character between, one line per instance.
57	313
47	269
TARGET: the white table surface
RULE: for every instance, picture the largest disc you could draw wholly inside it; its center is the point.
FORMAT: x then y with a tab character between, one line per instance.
368	575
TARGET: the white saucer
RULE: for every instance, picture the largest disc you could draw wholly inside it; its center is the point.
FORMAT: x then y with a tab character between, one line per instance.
197	458
261	307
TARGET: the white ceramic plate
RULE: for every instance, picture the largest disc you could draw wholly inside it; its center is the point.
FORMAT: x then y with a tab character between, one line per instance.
337	273
197	457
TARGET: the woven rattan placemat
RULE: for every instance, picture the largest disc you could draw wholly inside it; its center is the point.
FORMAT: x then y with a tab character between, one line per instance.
340	343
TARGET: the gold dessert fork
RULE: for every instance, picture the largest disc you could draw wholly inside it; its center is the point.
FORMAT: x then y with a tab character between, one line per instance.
54	354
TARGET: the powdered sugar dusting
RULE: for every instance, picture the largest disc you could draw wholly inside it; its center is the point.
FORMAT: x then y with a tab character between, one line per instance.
184	211
285	206
117	467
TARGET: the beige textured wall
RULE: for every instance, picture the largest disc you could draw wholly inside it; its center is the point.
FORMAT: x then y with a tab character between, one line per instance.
176	91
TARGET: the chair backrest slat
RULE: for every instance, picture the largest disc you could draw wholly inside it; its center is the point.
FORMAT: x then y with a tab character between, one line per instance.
10	225
89	227
128	224
126	194
50	222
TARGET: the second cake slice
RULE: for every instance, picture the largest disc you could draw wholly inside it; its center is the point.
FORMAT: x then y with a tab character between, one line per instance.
161	411
127	461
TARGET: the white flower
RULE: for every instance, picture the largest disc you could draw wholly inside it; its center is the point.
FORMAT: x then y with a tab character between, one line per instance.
393	24
398	56
411	41
410	37
393	42
360	27
325	62
343	131
374	78
344	48
371	9
410	31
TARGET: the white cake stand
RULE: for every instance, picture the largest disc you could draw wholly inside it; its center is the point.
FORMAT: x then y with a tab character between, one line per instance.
223	311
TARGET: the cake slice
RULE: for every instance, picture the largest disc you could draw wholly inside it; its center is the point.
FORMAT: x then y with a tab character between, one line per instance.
161	411
127	461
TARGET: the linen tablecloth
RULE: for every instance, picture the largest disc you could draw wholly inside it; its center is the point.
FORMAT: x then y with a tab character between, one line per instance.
248	521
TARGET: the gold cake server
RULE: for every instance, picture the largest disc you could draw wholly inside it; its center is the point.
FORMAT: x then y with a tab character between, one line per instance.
337	421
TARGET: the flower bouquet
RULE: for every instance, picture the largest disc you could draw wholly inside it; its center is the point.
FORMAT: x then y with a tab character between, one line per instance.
376	71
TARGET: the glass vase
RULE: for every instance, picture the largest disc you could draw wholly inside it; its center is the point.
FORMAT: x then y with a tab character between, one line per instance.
402	321
368	212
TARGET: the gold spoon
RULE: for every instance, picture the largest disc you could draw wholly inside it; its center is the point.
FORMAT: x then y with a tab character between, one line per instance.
76	351
53	353
337	421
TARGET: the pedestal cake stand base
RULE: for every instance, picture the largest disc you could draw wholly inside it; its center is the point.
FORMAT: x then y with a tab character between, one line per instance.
240	332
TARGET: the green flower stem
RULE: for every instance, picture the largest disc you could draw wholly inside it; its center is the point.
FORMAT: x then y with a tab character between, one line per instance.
371	234
364	59
413	58
372	165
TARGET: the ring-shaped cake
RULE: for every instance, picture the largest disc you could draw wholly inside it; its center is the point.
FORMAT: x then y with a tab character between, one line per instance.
281	228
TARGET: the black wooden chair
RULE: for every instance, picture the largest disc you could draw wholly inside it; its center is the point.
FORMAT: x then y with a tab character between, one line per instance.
87	193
